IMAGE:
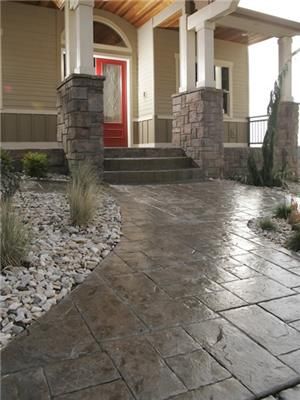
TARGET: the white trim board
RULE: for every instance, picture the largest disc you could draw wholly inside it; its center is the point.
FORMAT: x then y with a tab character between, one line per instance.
26	111
235	145
30	145
154	145
145	118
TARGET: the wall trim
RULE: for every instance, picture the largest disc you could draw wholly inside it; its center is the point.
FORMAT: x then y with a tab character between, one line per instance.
30	145
26	111
227	119
235	145
154	145
145	118
164	116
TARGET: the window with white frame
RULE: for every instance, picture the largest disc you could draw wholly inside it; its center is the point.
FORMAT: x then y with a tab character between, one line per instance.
224	81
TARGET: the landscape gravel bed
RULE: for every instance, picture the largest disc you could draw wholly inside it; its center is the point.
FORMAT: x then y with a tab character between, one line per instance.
60	257
280	236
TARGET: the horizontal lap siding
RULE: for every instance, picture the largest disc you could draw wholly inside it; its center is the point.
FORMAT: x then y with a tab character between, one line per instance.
238	55
30	56
166	45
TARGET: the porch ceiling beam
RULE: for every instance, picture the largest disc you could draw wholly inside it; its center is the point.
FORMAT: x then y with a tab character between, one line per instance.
256	22
168	12
59	3
212	12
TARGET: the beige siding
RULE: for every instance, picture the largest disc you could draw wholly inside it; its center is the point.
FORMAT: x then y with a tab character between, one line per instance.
30	56
235	132
145	70
163	130
143	132
131	33
238	55
166	45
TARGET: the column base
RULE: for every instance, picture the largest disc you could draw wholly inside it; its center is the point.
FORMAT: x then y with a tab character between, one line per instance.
198	128
80	119
286	140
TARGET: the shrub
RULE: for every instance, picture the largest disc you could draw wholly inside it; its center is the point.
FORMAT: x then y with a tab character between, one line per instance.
10	179
14	236
293	242
283	211
83	191
6	160
267	224
35	164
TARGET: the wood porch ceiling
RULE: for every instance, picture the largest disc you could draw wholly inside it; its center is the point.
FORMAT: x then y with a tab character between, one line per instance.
239	27
136	12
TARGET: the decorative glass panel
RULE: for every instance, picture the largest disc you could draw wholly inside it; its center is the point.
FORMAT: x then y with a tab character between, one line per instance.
104	34
112	93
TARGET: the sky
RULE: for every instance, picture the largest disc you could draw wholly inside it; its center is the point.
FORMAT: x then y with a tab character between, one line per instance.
263	57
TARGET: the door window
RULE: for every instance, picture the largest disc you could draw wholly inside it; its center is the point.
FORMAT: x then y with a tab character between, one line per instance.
112	93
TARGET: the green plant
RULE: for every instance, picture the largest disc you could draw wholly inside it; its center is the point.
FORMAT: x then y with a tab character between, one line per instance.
266	176
267	224
35	164
283	210
293	243
10	179
14	236
83	192
6	160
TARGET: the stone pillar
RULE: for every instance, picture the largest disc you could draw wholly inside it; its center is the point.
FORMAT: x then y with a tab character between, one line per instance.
198	128
286	139
80	119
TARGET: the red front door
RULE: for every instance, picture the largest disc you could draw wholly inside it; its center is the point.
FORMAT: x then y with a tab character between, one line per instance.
114	100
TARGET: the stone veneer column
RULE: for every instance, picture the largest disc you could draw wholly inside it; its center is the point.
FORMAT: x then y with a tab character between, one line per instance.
286	139
198	128
80	119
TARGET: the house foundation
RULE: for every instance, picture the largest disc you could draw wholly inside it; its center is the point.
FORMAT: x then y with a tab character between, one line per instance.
80	119
286	139
198	128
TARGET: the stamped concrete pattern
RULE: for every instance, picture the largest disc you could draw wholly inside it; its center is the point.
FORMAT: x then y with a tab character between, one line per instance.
190	305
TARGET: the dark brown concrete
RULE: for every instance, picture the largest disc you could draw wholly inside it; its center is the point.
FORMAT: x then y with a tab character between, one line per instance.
190	305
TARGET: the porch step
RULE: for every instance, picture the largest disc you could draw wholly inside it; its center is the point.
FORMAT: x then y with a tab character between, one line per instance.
136	166
147	163
153	176
142	152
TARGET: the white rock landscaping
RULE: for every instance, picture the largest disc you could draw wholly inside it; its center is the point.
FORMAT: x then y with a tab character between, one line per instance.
61	256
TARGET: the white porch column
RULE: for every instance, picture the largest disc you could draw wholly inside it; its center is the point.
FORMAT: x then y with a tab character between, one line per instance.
285	67
70	38
187	55
84	36
205	55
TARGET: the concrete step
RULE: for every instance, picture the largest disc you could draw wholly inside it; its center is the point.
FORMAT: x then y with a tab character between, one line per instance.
153	176
147	163
142	152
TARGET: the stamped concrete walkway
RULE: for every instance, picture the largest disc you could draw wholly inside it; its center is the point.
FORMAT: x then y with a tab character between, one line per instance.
191	305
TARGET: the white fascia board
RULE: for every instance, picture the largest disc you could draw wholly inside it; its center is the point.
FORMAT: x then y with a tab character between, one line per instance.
212	12
268	28
167	13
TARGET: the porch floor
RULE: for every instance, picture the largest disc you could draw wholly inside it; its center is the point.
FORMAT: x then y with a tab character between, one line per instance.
190	305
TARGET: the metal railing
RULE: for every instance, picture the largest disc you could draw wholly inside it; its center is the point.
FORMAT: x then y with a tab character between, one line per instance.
257	127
